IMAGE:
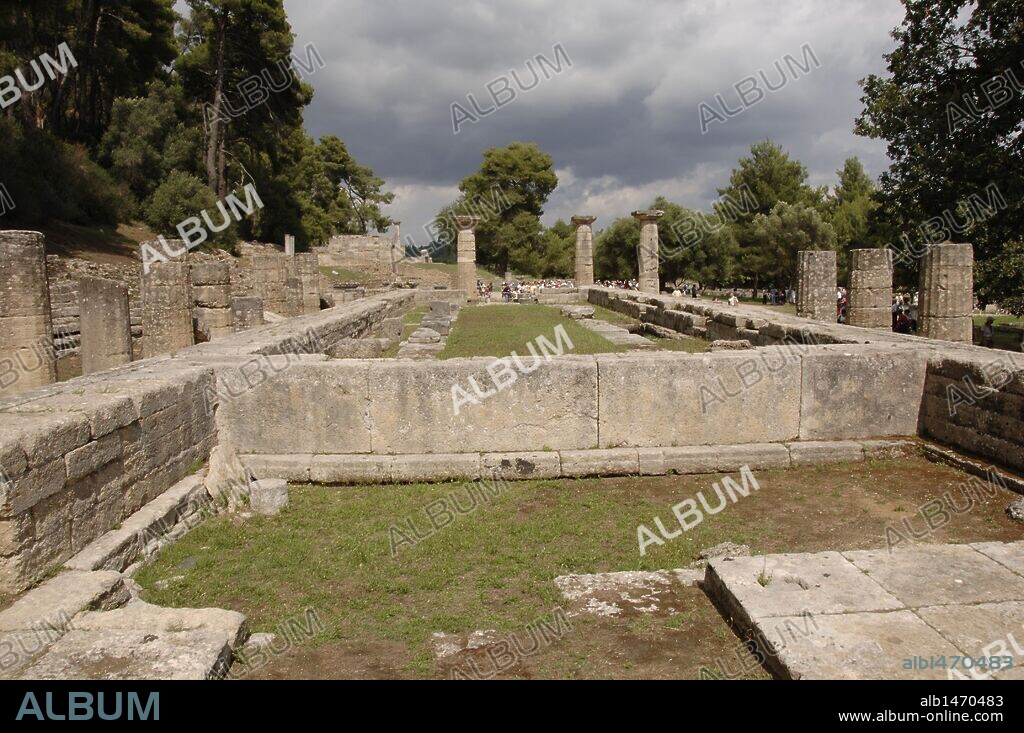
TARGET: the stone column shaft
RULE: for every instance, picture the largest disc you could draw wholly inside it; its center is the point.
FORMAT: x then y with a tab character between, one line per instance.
584	250
465	278
947	293
817	286
106	330
27	356
870	303
648	251
166	307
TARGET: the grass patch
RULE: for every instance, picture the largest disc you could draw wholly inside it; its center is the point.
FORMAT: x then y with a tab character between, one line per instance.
498	330
685	345
345	275
451	269
613	317
494	567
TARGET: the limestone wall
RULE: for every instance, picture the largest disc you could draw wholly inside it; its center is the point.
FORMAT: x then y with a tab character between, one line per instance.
976	404
79	457
580	403
973	397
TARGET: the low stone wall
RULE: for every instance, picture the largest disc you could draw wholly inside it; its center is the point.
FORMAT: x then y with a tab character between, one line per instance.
81	456
78	458
976	404
974	397
773	395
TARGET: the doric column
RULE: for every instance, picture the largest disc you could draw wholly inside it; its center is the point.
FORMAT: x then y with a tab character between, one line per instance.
166	307
817	286
465	278
648	254
27	356
584	250
947	293
871	289
106	329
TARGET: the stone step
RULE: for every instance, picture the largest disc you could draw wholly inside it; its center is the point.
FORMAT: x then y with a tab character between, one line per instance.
142	616
59	600
119	548
133	655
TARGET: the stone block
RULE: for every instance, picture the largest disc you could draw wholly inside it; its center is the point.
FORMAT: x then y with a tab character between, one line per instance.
435	468
304	408
412	409
294	468
269	496
351	469
859	392
812	453
62	598
712	459
664	400
616	462
523	466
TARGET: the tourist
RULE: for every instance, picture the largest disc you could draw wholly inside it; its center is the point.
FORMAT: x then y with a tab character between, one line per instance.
903	324
988	333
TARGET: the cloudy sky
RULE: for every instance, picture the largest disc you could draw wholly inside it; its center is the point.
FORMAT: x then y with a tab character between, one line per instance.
623	123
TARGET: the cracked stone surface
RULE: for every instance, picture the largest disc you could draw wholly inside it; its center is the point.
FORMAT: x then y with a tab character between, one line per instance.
862	614
630	593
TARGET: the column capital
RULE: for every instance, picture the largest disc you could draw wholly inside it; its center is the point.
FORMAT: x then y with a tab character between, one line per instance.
467	222
650	215
583	221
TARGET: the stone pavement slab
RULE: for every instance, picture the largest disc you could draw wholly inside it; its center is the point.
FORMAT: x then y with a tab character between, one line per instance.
861	646
133	655
1010	555
861	614
985	630
938	575
788	585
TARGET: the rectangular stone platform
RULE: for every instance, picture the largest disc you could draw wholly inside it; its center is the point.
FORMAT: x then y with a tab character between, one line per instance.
864	614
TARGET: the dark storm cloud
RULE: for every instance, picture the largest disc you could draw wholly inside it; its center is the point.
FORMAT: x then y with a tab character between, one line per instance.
622	124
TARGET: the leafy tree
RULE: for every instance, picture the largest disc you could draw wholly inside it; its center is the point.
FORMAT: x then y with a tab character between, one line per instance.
148	138
787	230
559	251
180	197
509	193
952	111
695	246
852	210
119	46
762	181
225	43
615	250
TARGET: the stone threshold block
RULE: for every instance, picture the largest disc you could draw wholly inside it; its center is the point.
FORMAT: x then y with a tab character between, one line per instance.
134	655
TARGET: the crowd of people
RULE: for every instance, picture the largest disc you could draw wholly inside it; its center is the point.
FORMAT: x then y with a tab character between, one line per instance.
620	284
519	291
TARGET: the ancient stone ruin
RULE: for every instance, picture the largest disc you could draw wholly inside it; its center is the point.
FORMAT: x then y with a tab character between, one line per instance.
103	471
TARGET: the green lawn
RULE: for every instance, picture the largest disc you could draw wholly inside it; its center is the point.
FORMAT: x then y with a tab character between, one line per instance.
498	330
494	567
450	269
686	345
613	317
